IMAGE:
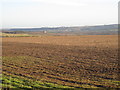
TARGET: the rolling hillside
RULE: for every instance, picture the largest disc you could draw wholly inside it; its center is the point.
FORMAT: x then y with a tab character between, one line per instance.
77	30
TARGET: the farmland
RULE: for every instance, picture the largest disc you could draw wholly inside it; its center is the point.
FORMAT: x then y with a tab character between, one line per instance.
14	35
88	61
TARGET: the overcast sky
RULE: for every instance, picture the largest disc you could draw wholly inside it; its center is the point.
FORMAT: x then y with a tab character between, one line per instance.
45	13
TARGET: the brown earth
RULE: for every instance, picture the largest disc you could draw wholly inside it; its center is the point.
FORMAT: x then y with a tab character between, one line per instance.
68	60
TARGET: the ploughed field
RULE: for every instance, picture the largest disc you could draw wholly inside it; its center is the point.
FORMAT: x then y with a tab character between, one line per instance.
61	61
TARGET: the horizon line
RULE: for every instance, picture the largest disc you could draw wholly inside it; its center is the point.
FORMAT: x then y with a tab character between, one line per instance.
60	26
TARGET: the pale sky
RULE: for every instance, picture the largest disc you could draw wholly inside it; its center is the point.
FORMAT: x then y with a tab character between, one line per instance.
45	13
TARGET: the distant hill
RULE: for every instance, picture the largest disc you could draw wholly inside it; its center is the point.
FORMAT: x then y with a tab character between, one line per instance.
78	30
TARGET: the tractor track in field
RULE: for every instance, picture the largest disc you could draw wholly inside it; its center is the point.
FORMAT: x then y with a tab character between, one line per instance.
54	62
